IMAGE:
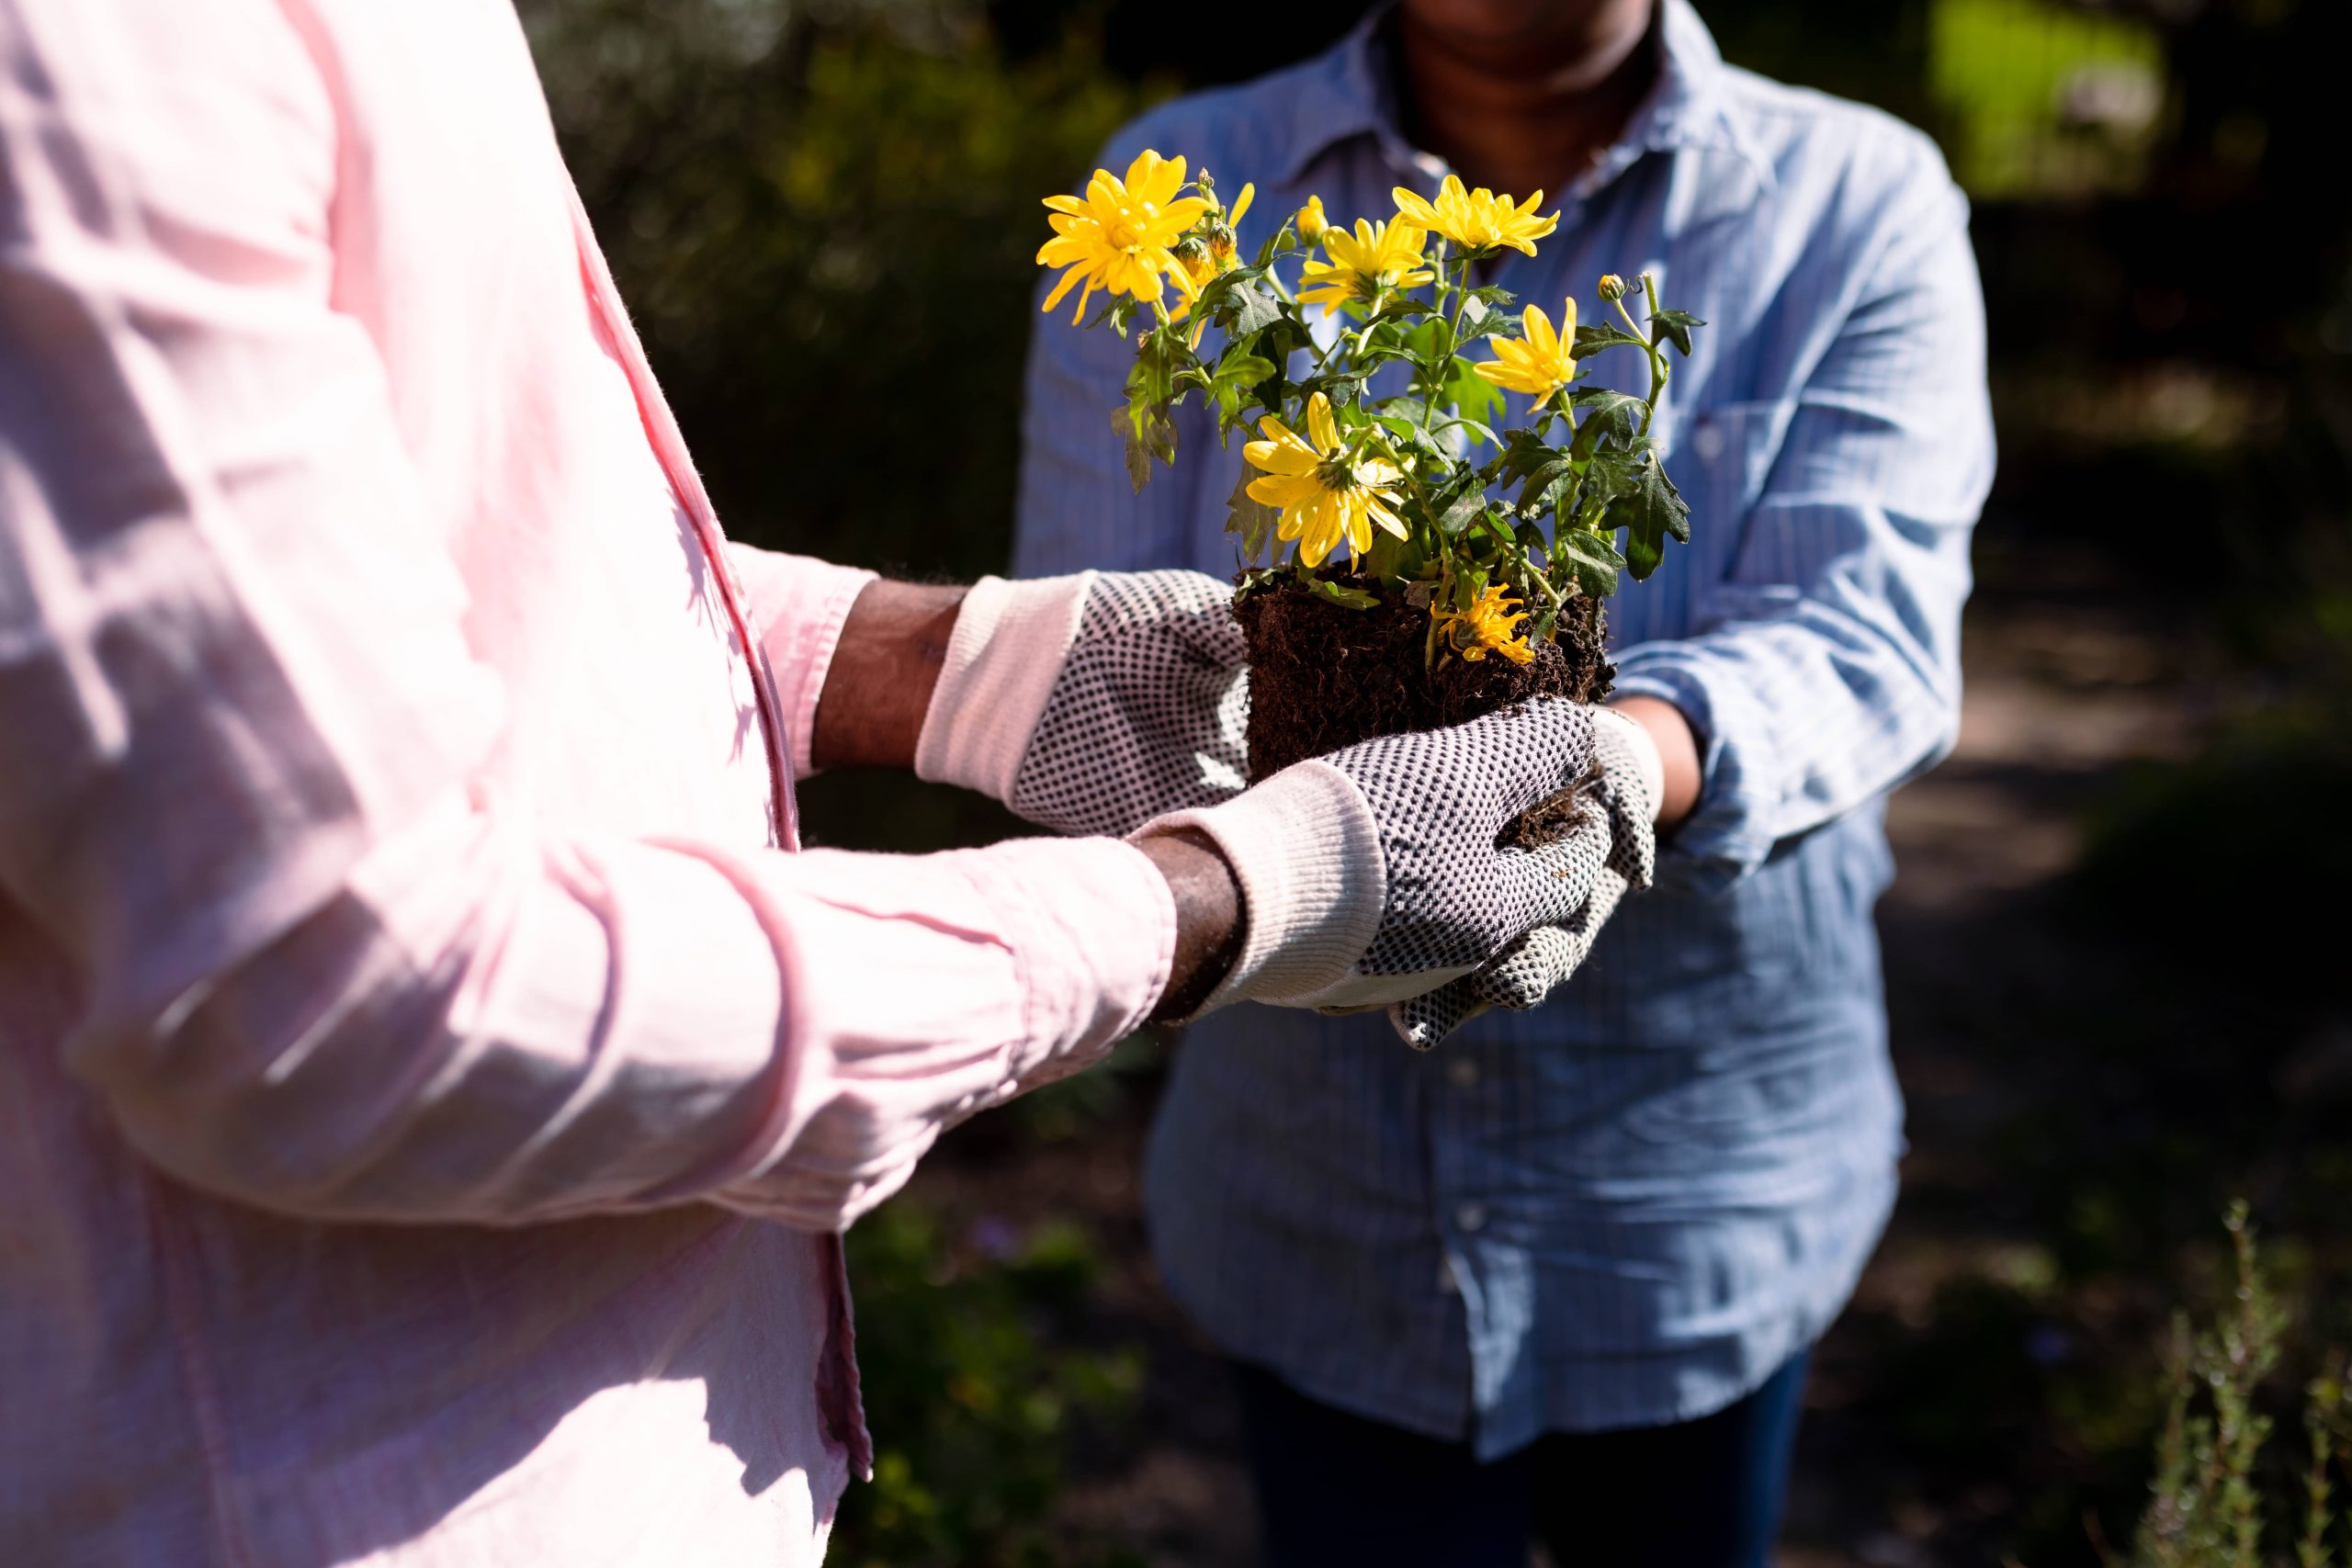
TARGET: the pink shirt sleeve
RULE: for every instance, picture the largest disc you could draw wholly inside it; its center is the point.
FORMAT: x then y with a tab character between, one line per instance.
799	606
324	964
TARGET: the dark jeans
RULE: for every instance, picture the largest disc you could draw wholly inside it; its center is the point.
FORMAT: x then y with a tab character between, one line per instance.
1338	1489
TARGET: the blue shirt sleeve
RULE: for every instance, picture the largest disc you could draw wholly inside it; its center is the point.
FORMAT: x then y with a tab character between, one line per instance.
1826	669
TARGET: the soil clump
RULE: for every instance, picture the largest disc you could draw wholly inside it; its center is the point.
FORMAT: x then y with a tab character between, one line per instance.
1323	676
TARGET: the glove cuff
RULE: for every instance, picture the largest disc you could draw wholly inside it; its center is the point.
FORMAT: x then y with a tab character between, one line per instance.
1306	849
1008	646
1641	750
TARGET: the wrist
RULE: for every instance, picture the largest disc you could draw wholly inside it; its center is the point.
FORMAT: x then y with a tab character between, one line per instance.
880	685
1209	918
1676	747
1305	849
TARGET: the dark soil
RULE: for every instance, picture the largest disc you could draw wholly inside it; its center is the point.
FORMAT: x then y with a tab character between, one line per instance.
1323	676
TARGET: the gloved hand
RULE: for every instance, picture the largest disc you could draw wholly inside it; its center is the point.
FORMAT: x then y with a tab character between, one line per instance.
1375	875
1092	703
1620	805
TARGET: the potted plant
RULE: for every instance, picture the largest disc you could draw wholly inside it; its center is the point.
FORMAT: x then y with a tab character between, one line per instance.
1439	499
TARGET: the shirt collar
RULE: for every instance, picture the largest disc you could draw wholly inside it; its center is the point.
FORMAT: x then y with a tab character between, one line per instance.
1351	93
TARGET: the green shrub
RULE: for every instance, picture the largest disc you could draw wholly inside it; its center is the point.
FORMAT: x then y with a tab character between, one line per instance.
2211	1507
975	1385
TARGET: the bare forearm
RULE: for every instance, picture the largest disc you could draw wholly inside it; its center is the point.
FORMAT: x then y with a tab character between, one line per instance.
870	714
878	687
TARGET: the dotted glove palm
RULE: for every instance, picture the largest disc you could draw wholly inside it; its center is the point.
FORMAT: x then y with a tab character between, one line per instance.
1090	704
1378	873
1620	802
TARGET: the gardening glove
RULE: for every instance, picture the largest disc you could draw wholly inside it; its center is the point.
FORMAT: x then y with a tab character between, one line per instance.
1620	803
1092	703
1375	874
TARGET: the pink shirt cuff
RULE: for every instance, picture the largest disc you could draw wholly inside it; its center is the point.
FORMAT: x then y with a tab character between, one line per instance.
798	605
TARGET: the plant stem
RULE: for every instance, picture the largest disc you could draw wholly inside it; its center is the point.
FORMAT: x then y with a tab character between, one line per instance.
1650	346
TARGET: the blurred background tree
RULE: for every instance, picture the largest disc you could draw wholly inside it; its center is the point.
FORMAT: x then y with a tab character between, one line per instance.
2112	953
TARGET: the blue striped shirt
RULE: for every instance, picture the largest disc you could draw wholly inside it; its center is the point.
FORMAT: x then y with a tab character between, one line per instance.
1631	1205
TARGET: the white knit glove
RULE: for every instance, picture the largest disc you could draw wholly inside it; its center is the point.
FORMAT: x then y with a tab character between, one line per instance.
1090	704
1374	875
1621	805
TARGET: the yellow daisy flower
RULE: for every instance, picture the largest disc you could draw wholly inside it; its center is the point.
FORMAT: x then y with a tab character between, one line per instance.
1327	497
1540	363
1490	623
1477	220
1118	236
1376	257
1310	221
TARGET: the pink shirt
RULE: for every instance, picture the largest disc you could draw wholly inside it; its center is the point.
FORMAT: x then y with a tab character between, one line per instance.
427	1095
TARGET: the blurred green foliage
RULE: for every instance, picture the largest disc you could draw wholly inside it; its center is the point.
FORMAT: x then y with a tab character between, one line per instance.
2044	97
2215	1504
973	1389
826	224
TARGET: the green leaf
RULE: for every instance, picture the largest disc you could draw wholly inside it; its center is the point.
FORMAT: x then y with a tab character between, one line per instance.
1243	370
1459	513
1524	453
1148	433
1252	519
1472	396
1494	298
1591	560
1559	492
1340	593
1677	325
1649	512
1607	415
1391	558
1254	309
1138	455
1402	308
1340	387
1592	339
1477	431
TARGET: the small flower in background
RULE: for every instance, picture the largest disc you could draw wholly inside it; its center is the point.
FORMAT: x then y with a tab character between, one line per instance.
1222	225
1490	623
1477	220
1196	263
1540	363
1327	497
1376	257
1613	289
1310	220
994	1237
1117	237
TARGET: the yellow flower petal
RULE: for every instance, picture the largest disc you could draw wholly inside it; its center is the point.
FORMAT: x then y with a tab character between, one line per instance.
1320	426
1538	327
1414	206
1280	457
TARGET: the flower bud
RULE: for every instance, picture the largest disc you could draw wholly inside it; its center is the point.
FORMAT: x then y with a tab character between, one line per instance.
1310	220
1613	289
